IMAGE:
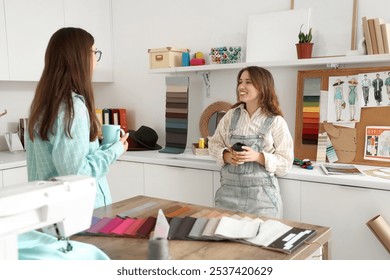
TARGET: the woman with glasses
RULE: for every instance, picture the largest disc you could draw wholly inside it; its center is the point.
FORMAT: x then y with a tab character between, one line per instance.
63	128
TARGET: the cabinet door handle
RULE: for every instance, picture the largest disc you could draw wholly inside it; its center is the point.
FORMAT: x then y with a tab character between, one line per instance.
159	57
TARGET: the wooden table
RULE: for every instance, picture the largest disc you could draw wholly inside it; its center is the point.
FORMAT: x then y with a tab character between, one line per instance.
125	248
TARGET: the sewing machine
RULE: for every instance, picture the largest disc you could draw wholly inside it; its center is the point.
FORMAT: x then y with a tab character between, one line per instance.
61	207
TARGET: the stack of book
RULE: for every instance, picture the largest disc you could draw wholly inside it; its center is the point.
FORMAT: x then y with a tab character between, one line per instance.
377	35
113	116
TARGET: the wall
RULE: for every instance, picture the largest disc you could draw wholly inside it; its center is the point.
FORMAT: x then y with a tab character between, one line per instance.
140	25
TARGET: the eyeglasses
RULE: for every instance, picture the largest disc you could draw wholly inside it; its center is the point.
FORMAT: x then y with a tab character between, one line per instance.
98	55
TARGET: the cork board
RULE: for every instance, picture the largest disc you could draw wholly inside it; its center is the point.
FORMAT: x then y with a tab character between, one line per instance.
373	116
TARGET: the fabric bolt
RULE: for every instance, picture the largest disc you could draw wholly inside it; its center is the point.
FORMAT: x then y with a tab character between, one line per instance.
62	156
198	228
111	225
176	123
132	229
147	227
99	225
120	229
173	226
184	228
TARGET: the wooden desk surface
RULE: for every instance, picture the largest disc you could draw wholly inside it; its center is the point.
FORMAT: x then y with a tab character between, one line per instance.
126	248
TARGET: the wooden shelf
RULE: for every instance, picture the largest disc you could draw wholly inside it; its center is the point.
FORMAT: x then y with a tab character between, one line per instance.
332	62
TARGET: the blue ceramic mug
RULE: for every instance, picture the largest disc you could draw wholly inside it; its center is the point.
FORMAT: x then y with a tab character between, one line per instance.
111	133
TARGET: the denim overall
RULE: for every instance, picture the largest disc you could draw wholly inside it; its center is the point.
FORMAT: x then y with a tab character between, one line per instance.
248	187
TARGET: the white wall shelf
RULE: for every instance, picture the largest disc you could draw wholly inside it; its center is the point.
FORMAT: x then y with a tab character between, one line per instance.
332	62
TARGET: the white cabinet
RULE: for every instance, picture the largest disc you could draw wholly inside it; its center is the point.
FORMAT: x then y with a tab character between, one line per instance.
4	73
291	196
95	17
30	25
346	210
126	179
177	183
14	176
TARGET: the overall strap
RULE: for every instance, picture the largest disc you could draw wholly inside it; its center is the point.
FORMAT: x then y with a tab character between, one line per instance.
235	118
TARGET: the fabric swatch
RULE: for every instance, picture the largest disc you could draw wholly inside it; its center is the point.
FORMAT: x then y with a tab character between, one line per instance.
178	212
198	228
209	230
99	225
146	227
173	226
132	229
230	228
184	228
111	225
134	211
120	229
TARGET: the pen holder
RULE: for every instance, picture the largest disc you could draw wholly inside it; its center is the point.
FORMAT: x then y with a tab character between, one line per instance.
200	151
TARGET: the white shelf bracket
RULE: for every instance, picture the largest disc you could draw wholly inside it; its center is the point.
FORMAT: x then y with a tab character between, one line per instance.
206	78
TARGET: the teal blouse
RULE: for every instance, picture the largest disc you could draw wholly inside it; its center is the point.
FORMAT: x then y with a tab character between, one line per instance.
62	155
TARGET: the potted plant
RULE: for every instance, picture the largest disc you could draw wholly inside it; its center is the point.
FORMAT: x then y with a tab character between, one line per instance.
304	46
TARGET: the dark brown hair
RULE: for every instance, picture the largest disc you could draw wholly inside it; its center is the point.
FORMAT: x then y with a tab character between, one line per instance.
68	67
264	82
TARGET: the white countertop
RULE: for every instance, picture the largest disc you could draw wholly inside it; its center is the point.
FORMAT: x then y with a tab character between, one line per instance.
189	160
12	160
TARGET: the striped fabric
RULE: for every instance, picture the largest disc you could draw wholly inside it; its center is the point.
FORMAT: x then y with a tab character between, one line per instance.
176	116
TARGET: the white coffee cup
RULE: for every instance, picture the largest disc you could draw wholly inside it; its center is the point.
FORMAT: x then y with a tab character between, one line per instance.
111	133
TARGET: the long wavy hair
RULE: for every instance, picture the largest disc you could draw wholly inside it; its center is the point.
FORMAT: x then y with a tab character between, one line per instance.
68	67
264	82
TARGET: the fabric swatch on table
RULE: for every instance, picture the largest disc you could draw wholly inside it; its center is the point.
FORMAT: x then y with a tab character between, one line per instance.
99	225
209	230
94	220
173	226
120	229
230	228
184	228
147	227
132	229
176	115
201	213
198	228
172	209
213	214
111	225
134	211
178	212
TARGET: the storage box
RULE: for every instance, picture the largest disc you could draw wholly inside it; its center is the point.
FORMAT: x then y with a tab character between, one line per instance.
165	57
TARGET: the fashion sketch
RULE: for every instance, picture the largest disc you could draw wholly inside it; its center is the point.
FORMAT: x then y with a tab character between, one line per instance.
374	89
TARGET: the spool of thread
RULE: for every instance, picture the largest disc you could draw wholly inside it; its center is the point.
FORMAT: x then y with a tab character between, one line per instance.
158	249
201	143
